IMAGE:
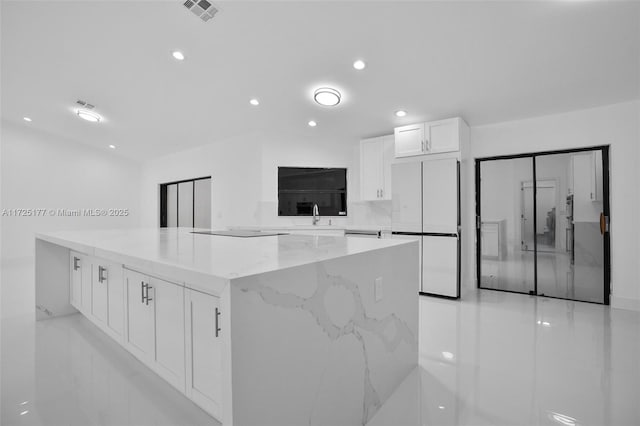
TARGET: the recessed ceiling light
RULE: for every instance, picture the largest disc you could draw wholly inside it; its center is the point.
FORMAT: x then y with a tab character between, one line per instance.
401	113
112	146
312	123
178	55
327	96
254	102
27	119
359	64
88	115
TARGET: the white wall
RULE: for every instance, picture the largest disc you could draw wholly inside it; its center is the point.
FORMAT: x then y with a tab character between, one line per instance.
244	176
41	171
615	125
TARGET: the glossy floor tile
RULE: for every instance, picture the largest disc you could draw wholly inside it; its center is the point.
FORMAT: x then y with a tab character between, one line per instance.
508	359
65	371
557	276
493	358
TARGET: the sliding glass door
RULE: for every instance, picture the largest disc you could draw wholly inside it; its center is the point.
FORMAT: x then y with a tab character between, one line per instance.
543	224
506	263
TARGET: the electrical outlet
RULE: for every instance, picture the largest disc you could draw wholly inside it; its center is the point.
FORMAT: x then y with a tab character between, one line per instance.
377	289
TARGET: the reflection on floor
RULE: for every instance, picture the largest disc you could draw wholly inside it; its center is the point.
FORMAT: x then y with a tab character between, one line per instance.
557	277
65	371
508	359
493	358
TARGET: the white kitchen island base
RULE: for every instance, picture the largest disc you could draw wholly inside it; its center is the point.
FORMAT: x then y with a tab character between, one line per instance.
299	330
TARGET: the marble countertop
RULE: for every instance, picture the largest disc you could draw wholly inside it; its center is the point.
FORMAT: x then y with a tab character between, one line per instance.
174	250
314	227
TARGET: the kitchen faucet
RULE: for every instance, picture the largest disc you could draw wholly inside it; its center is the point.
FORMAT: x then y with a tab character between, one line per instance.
316	214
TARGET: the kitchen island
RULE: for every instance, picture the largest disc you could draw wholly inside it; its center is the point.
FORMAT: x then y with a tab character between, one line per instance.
267	330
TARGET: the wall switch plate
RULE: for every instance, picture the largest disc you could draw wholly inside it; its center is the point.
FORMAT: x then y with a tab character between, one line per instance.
377	289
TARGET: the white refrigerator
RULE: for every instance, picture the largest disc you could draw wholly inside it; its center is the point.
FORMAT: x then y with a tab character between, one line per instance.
426	207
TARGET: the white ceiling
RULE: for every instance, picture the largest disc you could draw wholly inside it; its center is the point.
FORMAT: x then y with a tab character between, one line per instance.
484	61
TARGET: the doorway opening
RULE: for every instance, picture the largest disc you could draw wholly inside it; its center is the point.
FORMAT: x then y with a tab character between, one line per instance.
186	203
543	224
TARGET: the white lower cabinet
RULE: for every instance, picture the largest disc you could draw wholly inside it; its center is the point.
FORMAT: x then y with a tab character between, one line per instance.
80	285
155	325
204	350
99	294
172	330
168	301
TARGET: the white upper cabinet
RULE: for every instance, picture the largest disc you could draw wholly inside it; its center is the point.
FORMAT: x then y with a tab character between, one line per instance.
376	155
444	136
428	138
409	140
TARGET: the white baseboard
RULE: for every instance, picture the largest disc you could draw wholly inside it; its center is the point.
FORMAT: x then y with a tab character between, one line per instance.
624	303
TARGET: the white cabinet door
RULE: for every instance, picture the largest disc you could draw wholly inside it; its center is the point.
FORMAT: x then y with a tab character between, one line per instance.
75	290
444	136
406	197
409	140
99	293
440	265
85	284
140	335
113	274
440	196
371	173
204	362
387	157
168	301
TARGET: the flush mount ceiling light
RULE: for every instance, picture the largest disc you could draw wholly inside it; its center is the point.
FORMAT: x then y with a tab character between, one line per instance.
312	123
254	102
88	115
27	119
327	96
112	146
359	64
177	55
401	113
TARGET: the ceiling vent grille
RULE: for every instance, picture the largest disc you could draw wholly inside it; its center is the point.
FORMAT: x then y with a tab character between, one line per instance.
85	104
203	9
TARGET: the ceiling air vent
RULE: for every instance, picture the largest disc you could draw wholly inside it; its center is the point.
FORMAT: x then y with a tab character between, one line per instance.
203	9
84	104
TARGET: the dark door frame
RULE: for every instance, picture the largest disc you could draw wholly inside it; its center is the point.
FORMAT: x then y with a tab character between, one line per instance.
605	207
163	199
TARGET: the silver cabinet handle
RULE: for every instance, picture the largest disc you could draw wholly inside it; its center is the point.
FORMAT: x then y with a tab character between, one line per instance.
422	145
217	322
75	263
147	298
142	290
101	277
381	193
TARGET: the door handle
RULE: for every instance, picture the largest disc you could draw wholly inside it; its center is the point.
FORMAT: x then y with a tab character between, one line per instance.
604	223
217	322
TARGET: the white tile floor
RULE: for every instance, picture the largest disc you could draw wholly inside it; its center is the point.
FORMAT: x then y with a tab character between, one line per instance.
493	358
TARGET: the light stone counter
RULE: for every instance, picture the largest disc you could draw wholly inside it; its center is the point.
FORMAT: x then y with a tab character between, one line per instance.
316	330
